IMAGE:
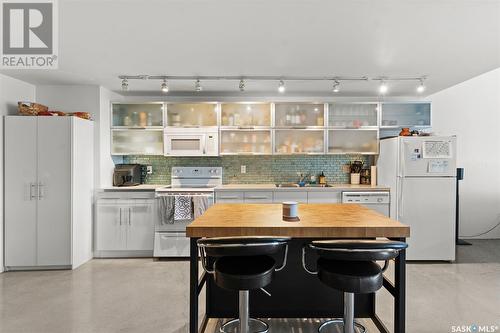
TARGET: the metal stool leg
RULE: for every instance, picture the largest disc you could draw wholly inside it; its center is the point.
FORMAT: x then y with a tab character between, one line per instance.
347	322
244	323
348	313
243	311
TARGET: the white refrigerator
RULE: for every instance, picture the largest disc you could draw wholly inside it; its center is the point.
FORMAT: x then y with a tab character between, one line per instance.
421	173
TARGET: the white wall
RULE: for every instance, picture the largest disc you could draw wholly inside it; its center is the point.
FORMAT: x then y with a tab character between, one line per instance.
73	98
11	92
106	162
471	110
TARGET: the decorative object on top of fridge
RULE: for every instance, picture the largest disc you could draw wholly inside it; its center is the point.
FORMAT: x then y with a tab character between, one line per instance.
405	132
30	108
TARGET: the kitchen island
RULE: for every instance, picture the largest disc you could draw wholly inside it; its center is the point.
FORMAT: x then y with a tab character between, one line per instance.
295	294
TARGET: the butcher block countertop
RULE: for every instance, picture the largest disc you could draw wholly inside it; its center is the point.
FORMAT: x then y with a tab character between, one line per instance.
316	221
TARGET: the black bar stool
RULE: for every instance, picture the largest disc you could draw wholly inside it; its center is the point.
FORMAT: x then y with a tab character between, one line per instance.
243	264
349	266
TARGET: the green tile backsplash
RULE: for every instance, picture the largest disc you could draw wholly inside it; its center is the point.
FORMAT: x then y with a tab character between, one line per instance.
260	169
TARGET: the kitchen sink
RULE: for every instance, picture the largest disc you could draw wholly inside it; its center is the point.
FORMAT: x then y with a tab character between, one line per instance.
297	185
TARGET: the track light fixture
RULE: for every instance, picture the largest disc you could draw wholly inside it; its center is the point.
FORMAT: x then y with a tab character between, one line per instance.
336	86
281	86
164	86
336	80
197	86
421	86
124	84
383	87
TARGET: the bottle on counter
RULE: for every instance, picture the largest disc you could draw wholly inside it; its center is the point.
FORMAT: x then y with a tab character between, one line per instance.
322	178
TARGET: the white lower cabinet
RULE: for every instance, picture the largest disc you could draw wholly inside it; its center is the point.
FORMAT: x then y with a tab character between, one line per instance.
229	197
258	197
124	227
299	196
324	197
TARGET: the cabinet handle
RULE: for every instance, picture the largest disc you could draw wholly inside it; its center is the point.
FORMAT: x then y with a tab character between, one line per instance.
256	197
120	216
129	218
32	196
229	197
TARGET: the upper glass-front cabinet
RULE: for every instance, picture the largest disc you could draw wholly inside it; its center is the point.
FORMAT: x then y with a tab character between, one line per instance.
246	114
299	115
353	141
191	114
406	114
293	141
352	115
136	142
245	142
137	115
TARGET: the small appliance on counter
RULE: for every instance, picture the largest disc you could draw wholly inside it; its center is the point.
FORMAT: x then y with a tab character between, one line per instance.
127	175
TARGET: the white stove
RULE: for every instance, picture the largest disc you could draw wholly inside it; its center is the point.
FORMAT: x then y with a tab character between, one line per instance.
170	238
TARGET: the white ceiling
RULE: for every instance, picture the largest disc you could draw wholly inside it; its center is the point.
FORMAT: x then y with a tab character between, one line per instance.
448	40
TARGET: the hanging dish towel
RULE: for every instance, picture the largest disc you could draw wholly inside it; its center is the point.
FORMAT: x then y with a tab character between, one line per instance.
166	209
183	208
200	205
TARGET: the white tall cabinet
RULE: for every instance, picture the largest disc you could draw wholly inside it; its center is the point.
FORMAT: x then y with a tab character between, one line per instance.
48	178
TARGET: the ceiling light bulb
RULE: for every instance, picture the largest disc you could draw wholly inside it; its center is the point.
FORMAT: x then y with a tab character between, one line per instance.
164	86
383	88
281	87
421	87
242	85
336	86
197	86
124	84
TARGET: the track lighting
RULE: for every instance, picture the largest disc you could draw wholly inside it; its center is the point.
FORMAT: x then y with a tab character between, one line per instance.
336	86
197	86
281	87
383	87
164	86
243	79
124	84
421	87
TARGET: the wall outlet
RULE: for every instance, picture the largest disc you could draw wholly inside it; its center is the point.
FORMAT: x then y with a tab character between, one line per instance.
149	169
243	169
346	168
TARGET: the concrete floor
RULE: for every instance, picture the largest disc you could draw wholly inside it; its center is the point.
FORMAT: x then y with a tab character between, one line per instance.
141	295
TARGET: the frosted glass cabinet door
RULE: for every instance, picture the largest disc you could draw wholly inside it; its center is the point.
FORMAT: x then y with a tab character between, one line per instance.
299	141
136	142
352	141
194	114
245	114
352	115
406	114
245	142
299	115
137	115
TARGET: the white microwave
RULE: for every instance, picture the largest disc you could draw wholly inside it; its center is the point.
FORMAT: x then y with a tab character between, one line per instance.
191	142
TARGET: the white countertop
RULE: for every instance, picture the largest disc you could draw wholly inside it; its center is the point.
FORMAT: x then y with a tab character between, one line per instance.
258	187
142	187
272	187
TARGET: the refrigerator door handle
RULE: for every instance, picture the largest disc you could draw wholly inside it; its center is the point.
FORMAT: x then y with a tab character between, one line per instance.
33	196
400	198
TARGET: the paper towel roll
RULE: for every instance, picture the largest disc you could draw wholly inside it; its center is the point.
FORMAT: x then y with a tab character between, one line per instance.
373	175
